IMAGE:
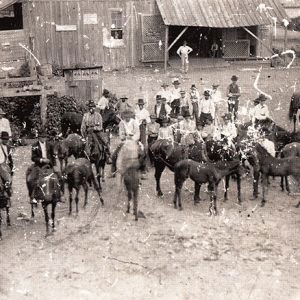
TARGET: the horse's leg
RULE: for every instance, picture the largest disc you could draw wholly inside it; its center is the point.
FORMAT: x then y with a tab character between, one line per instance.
227	179
7	217
238	182
85	188
282	183
77	200
197	193
294	121
53	215
129	197
298	205
102	172
264	189
212	205
287	186
256	176
70	199
61	162
135	204
45	207
32	211
0	225
159	168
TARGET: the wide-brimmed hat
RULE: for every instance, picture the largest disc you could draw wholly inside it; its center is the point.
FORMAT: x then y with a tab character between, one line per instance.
158	97
123	97
182	92
206	93
227	117
215	85
163	99
2	112
105	92
153	117
91	104
4	135
164	84
193	86
234	78
141	102
175	81
261	98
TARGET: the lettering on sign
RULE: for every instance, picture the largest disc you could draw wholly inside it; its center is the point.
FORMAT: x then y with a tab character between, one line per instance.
76	74
66	27
85	74
90	19
94	74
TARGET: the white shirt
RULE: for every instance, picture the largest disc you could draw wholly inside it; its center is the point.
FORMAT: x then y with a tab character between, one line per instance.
207	106
260	112
184	51
175	93
103	103
142	114
129	130
44	149
269	146
194	96
216	96
4	126
165	93
3	154
229	130
166	133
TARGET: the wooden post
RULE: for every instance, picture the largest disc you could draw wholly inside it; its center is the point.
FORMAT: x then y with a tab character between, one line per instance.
166	47
43	106
285	44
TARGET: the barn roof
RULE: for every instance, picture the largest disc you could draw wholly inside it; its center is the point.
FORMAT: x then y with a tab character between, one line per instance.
221	13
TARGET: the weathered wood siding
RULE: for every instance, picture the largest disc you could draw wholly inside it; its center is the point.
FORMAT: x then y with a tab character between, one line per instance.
84	46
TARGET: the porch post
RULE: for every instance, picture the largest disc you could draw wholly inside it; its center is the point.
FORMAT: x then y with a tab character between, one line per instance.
166	47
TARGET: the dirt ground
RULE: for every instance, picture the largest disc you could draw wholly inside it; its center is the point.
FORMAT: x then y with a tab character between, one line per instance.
246	252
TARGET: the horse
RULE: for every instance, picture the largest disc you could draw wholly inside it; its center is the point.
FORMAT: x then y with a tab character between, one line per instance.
71	123
131	160
267	165
97	154
110	119
72	145
48	190
294	106
202	173
4	204
290	150
79	173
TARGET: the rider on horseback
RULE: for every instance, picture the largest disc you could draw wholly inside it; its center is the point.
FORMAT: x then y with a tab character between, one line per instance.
128	130
261	115
92	127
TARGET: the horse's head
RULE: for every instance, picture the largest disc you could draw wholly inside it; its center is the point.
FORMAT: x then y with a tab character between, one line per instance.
110	118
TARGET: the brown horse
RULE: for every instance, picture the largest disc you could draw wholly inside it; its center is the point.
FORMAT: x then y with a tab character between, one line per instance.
48	190
202	173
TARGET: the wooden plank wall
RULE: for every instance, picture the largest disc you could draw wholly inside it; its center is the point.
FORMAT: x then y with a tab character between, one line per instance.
84	47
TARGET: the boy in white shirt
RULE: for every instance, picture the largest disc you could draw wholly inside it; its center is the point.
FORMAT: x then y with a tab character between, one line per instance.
183	52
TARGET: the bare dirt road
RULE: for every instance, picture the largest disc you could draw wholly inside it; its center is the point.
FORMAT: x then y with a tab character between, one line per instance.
246	252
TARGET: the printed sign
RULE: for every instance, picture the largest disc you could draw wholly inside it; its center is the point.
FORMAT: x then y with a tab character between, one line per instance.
85	74
94	74
76	74
66	27
90	19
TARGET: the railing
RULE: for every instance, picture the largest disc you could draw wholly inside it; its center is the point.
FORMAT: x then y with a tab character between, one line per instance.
236	49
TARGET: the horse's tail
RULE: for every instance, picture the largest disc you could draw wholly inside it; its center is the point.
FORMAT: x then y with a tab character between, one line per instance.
293	107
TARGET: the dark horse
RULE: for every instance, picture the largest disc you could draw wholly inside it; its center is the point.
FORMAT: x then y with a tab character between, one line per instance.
4	204
71	121
201	173
48	190
294	106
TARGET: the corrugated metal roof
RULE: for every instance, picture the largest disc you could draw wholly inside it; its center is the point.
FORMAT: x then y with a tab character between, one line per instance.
221	13
5	3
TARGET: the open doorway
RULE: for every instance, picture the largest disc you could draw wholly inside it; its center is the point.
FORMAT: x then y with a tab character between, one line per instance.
200	39
11	18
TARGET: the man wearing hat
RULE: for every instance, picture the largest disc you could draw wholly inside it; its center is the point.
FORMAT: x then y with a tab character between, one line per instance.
185	104
183	52
166	132
142	116
206	108
6	161
260	113
103	103
233	94
152	130
195	98
4	123
228	130
162	109
92	127
123	105
129	129
165	92
216	97
175	97
188	129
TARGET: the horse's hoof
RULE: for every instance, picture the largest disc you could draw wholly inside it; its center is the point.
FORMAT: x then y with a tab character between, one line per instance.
160	194
262	204
180	208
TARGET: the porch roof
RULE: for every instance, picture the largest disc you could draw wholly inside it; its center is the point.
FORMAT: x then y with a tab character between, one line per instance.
6	3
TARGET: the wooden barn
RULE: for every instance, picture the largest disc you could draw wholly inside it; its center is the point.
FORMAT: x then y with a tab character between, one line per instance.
115	34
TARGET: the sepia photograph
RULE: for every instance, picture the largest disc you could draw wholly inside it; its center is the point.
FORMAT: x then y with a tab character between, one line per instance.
150	149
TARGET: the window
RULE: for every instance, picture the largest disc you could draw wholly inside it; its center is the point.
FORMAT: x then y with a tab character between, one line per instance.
116	28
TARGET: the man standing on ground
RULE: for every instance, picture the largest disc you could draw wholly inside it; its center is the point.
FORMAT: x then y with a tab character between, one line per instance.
142	116
233	94
183	52
4	123
175	98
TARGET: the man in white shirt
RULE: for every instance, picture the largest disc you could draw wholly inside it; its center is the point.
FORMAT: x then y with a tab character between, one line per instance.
4	123
142	116
185	104
165	93
214	49
216	97
260	113
228	130
128	129
206	108
194	99
175	97
161	109
183	52
104	101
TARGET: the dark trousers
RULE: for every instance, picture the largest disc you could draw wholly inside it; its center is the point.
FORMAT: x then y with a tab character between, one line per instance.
175	105
233	106
195	110
151	140
143	134
204	118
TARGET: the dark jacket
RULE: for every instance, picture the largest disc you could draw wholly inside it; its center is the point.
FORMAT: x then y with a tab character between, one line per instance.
9	156
36	153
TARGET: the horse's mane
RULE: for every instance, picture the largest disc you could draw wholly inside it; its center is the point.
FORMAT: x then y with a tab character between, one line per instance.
263	151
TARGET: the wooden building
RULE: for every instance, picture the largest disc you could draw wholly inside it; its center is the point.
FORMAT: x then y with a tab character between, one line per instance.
115	34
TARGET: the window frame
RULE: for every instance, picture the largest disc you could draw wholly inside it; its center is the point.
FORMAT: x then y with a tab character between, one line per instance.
121	28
